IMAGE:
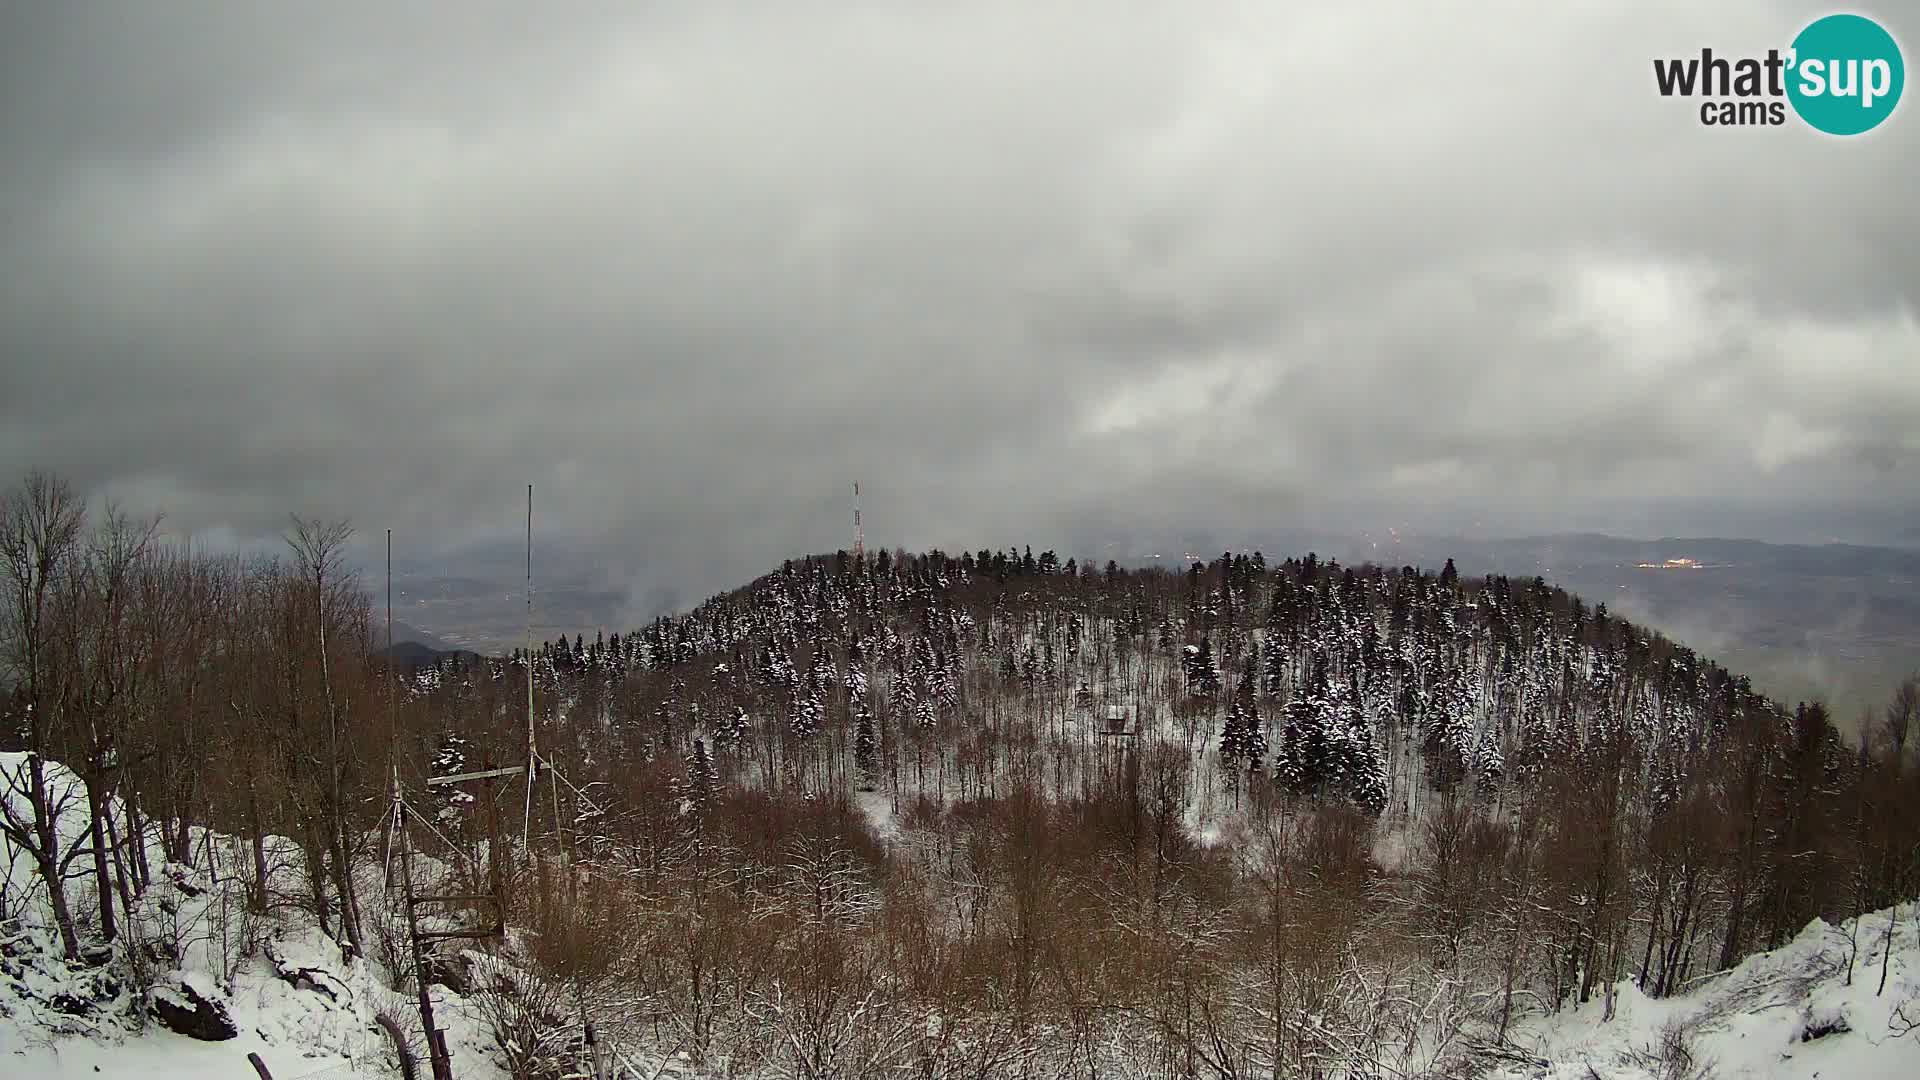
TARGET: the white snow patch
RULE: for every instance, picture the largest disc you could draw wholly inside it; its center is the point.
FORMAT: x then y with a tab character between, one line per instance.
1753	1021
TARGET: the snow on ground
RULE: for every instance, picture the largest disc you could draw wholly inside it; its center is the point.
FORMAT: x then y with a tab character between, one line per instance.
71	821
1789	1013
295	1003
282	984
298	1033
1753	1021
878	806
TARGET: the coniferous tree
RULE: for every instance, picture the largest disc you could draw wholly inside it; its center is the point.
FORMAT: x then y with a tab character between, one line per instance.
804	718
667	713
866	747
856	678
1242	742
1358	765
1203	672
703	780
946	680
733	730
1305	762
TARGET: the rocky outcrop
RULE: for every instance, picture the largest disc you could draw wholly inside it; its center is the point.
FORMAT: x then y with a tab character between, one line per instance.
183	1010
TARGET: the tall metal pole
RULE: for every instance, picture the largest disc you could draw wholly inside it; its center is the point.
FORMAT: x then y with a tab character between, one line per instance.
526	817
393	757
392	727
529	627
436	1043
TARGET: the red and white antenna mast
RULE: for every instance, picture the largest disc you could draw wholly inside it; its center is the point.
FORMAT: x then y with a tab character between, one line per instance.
859	536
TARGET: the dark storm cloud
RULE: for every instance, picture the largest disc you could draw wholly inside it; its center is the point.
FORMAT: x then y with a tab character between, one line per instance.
1027	271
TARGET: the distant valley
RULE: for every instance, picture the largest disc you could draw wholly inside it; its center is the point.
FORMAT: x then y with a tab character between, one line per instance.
1838	622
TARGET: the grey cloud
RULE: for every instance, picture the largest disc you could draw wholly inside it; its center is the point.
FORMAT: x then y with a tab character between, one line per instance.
1026	271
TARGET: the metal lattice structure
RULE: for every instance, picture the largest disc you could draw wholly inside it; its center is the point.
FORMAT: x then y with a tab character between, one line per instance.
402	816
859	534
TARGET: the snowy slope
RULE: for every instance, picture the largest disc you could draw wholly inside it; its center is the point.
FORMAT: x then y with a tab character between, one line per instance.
1755	1020
308	1014
1749	1022
281	983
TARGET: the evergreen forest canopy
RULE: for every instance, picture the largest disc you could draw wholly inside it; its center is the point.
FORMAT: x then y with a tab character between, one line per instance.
1250	818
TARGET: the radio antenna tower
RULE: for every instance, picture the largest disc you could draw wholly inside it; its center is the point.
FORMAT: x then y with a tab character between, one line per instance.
533	753
859	536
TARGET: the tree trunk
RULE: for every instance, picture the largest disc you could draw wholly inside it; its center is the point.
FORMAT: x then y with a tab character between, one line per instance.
120	876
57	899
102	873
257	895
315	851
47	858
180	849
1653	924
1893	923
137	837
343	882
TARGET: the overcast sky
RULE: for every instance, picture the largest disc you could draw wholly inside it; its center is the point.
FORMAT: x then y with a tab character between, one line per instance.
1027	271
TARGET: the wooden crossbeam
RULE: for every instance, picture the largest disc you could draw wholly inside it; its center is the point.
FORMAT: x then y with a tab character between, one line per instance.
441	935
469	899
484	774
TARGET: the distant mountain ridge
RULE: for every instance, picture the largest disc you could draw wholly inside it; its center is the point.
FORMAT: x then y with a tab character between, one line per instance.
403	634
414	655
415	648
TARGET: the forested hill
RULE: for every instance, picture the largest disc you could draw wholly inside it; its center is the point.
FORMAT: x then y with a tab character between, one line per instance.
1353	681
1303	682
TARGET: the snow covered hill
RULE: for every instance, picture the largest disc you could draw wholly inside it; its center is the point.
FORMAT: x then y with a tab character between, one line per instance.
1813	1008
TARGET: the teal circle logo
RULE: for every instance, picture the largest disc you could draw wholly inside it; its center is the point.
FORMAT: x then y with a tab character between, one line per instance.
1845	74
